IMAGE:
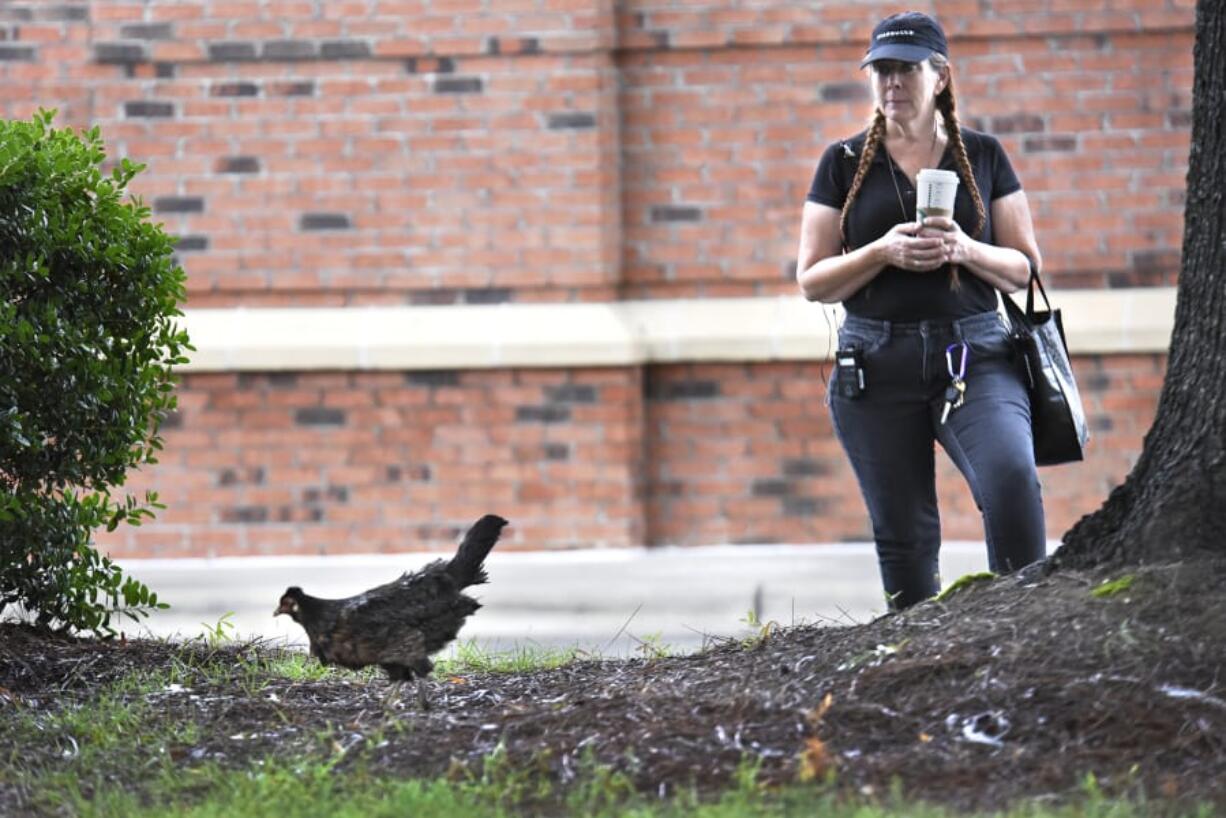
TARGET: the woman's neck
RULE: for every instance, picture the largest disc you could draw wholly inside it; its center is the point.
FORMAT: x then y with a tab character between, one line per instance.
923	130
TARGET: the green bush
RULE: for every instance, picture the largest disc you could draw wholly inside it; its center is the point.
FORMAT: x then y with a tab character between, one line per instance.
88	295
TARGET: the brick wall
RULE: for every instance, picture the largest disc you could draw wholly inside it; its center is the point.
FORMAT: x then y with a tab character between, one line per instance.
685	454
327	153
307	463
459	151
428	151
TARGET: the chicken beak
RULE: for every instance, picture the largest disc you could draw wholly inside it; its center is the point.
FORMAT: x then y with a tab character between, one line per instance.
281	609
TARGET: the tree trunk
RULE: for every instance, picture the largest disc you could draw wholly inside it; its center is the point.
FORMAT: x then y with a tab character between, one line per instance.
1174	501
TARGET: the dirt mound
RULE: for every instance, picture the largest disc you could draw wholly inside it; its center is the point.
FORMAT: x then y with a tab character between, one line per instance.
1016	688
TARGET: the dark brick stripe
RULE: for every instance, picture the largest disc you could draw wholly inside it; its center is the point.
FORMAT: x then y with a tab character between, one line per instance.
232	52
191	243
289	50
344	50
57	12
244	514
571	393
235	89
675	213
119	53
458	85
319	416
336	494
771	488
488	295
238	164
305	88
542	414
147	31
683	390
1050	144
806	506
435	377
805	467
1017	123
148	108
178	204
13	53
844	92
572	120
324	221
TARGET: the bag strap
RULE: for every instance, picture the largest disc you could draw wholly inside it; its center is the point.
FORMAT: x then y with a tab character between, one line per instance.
1020	321
1035	279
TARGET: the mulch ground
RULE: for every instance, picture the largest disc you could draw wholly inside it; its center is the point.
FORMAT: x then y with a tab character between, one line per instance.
1009	690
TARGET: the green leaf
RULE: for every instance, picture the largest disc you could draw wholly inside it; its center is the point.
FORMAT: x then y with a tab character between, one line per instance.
1113	587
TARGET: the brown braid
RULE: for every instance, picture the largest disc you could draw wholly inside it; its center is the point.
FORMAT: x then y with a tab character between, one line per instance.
948	109
876	132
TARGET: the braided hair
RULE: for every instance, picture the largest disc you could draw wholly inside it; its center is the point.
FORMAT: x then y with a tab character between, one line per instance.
876	133
948	110
947	107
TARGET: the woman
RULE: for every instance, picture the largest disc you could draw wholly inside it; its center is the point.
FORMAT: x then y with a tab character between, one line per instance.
923	353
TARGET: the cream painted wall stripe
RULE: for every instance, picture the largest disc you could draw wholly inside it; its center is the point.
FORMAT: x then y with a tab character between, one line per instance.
609	334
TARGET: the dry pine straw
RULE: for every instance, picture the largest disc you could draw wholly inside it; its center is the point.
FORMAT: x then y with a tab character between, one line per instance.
1011	689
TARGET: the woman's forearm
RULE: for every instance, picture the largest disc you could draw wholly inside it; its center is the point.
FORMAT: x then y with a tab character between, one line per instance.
838	277
1005	268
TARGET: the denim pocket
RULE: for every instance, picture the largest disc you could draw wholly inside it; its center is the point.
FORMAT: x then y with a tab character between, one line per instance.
864	340
990	342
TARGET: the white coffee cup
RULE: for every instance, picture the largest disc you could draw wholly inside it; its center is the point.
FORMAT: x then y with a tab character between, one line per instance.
934	193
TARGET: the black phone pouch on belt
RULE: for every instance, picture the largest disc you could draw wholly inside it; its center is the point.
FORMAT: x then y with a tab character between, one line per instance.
849	372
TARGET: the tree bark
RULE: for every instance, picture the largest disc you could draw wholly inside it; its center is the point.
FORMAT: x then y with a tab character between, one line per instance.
1173	503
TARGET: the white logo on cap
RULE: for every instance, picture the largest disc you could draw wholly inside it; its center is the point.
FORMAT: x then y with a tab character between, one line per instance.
902	32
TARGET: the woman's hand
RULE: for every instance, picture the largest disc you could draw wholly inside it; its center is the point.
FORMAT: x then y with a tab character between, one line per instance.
955	244
911	246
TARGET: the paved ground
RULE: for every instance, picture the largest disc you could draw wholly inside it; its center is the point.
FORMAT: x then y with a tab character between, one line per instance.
610	601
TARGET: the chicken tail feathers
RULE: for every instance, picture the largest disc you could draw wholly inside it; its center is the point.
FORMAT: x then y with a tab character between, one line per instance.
466	566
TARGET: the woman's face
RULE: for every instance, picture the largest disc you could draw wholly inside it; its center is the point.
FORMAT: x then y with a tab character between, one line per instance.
905	91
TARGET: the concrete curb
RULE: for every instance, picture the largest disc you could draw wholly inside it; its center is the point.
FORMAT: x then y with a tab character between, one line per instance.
604	600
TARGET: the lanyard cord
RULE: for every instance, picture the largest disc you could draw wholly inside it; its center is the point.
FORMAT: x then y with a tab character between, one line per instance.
897	191
894	174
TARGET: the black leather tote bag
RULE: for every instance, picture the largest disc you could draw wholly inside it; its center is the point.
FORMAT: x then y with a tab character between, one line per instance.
1057	418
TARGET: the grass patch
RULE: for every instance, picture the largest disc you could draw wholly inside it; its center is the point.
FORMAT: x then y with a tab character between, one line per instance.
470	657
1109	588
310	789
963	582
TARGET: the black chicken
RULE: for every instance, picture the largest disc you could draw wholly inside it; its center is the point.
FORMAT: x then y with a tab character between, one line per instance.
398	625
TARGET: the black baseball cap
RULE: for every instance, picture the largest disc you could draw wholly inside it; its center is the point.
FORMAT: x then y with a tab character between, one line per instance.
910	36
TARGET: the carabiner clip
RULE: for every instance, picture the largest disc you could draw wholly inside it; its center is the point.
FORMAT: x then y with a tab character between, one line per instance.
949	361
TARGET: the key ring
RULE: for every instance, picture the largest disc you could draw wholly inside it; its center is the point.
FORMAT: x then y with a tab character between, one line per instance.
949	361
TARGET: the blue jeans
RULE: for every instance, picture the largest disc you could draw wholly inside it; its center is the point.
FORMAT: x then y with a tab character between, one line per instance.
888	434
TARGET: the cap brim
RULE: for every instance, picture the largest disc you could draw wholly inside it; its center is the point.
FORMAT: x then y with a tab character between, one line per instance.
897	51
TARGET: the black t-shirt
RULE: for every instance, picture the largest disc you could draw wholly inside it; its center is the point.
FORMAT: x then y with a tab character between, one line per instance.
905	295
